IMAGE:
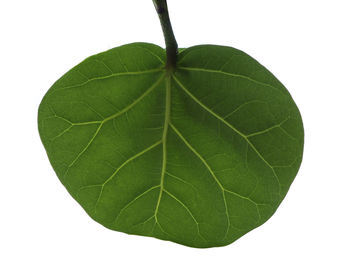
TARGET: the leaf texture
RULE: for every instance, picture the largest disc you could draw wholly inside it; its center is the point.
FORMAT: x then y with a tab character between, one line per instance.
199	156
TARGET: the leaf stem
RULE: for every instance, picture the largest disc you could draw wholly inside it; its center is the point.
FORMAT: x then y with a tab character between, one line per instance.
170	41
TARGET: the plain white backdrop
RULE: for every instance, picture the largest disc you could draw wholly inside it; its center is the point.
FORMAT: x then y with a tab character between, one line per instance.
305	43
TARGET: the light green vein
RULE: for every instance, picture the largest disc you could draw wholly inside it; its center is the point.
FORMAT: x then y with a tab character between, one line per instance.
208	167
227	74
132	201
119	112
164	139
206	108
84	149
197	154
228	61
248	199
58	117
121	62
85	123
89	106
181	180
61	133
161	228
152	53
72	123
117	170
135	73
289	165
241	106
104	64
286	133
131	159
143	222
188	211
268	129
188	52
136	101
210	171
230	126
112	117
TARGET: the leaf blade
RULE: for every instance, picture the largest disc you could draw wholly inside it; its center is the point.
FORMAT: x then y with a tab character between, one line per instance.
199	156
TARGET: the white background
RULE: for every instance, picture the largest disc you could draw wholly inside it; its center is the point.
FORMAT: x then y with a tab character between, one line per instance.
305	43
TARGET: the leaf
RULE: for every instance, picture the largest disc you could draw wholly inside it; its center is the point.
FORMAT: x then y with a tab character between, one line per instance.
199	156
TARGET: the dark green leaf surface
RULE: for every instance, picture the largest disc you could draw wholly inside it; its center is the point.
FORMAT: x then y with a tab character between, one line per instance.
199	156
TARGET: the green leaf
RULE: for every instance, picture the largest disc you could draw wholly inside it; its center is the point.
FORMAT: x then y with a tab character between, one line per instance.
199	156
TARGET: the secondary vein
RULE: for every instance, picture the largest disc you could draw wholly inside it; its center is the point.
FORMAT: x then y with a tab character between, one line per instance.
232	128
109	76
111	118
228	74
211	173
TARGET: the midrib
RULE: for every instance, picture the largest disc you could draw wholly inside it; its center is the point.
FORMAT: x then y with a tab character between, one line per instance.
164	139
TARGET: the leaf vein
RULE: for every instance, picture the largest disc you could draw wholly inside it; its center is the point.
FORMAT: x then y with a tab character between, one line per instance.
210	171
181	180
132	201
153	54
104	64
112	117
230	126
83	151
110	76
188	210
241	106
121	166
268	129
228	74
164	139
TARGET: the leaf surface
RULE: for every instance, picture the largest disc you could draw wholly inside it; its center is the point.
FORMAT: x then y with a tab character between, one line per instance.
199	156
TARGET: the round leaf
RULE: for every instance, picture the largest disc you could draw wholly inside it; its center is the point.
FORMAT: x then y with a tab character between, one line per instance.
199	155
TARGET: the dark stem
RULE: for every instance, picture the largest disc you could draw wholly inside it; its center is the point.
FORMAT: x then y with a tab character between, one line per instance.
170	41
